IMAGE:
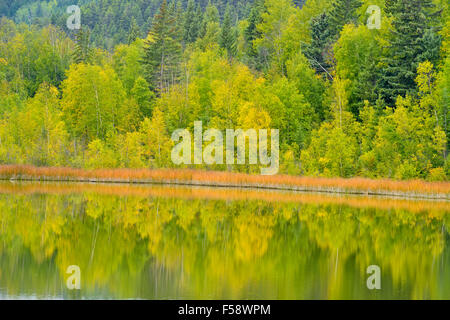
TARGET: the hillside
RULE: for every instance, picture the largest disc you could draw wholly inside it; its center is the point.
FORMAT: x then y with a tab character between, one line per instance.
349	89
109	20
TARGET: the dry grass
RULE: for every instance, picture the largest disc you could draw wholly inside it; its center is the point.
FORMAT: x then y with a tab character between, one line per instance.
434	208
412	188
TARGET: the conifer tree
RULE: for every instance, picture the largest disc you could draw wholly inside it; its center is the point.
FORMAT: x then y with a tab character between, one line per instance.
251	32
199	16
211	16
135	32
341	13
228	36
162	50
299	3
190	20
412	43
210	30
83	52
318	50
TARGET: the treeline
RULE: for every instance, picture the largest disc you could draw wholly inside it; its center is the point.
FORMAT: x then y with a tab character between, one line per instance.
109	20
348	100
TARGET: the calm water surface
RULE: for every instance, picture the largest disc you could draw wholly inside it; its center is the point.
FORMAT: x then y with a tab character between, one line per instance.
167	243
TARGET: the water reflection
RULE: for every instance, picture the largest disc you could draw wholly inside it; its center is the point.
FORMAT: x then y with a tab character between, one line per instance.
180	243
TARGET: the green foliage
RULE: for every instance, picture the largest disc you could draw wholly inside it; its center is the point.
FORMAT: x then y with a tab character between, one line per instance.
318	50
144	96
341	13
402	144
442	98
278	39
126	62
357	54
37	134
156	142
192	22
408	144
412	42
251	33
83	52
308	84
135	31
162	50
99	155
109	20
312	70
31	56
94	102
227	39
210	28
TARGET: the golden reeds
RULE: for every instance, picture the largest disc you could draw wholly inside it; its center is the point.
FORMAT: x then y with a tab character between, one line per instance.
412	188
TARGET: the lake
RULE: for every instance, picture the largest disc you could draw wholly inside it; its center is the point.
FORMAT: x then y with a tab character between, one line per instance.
156	242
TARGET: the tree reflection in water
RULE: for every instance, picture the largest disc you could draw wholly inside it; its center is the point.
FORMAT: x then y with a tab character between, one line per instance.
180	243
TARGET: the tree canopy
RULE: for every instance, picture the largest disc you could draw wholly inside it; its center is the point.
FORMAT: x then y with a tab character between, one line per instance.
348	100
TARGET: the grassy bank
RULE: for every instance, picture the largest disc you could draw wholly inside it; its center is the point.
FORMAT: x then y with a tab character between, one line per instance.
413	188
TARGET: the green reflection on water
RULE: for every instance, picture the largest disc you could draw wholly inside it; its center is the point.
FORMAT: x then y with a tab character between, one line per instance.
165	248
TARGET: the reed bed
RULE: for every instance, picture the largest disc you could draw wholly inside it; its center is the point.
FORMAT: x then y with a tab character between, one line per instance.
412	188
434	208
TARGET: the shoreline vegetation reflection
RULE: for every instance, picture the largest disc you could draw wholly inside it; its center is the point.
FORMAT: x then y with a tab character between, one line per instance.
407	189
201	243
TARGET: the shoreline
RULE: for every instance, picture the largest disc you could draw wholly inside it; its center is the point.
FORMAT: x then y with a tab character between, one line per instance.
309	189
434	206
414	189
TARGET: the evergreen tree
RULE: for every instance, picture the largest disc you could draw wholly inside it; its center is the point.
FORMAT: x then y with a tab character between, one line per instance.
341	13
83	53
198	21
412	43
228	35
299	3
318	50
176	14
211	16
431	44
209	28
251	32
190	20
135	32
390	6
162	50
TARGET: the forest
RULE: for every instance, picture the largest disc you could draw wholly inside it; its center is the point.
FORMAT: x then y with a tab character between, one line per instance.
348	100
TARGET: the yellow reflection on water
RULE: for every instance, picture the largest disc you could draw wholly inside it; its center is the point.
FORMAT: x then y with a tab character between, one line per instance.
156	242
